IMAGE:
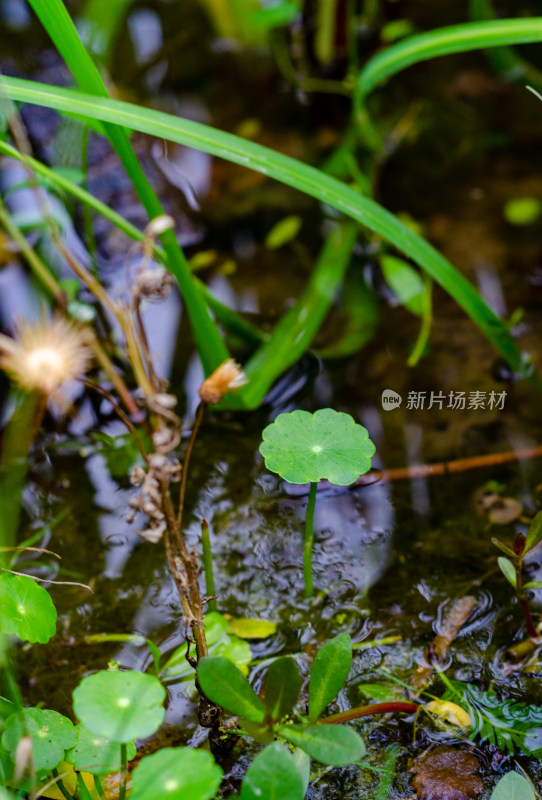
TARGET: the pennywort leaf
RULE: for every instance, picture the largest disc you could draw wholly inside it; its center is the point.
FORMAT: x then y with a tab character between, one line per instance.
120	705
96	754
176	773
26	609
304	447
51	733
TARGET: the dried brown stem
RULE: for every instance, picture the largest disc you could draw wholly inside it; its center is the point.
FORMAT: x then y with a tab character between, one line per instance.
182	490
119	412
444	468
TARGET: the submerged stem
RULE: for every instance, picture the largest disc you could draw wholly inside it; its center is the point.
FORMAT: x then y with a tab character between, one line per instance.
309	541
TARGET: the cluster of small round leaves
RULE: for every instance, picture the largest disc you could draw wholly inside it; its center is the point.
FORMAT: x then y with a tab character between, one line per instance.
328	444
26	609
120	705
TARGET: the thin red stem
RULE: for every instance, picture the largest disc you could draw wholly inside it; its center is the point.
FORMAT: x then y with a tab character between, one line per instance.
367	711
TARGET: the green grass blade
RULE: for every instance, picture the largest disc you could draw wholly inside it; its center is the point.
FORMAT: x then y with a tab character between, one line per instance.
58	23
443	41
505	60
291	172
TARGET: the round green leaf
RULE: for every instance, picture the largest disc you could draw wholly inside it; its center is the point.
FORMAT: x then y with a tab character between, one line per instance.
121	706
273	775
51	734
304	447
336	745
96	754
225	684
178	773
26	609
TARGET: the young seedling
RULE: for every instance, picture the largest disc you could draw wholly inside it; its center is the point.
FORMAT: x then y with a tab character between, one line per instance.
512	568
303	447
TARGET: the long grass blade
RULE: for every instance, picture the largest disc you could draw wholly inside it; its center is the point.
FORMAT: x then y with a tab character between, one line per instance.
291	172
505	60
443	41
59	25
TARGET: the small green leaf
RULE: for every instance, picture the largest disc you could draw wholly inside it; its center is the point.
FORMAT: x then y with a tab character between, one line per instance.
120	705
522	210
219	642
513	786
96	754
335	745
303	447
283	232
534	534
225	684
51	734
329	672
303	764
378	691
176	773
504	547
407	284
508	570
273	775
533	585
26	609
282	687
247	628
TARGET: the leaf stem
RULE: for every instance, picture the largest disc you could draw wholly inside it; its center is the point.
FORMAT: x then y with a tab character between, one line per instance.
60	785
367	711
99	787
123	770
309	541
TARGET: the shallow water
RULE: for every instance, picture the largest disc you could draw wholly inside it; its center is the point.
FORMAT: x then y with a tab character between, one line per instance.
389	558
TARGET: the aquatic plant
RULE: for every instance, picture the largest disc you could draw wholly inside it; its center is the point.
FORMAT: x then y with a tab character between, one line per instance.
304	447
512	568
331	744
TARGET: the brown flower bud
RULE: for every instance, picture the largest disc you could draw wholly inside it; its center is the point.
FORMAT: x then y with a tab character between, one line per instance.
226	377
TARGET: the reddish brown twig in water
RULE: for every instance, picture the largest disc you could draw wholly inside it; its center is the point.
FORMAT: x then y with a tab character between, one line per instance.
367	711
443	468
